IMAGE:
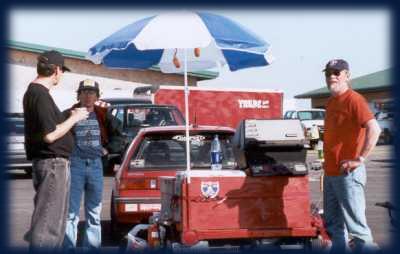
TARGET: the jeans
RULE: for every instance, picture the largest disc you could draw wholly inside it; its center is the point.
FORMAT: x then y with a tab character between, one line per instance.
344	210
51	180
87	178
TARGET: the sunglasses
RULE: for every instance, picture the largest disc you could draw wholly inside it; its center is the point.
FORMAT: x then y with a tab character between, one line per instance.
89	92
334	72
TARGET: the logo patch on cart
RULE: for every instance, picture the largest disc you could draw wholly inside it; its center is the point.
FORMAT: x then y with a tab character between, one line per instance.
209	189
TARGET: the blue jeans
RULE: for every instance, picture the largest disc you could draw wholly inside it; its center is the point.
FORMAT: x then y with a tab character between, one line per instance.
51	180
87	178
344	209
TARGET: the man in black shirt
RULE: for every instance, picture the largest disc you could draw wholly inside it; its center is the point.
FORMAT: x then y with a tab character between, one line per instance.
48	143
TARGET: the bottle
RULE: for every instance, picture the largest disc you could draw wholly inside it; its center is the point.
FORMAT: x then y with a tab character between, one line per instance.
216	154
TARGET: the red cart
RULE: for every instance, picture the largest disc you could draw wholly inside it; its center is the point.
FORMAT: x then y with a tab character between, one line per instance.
266	206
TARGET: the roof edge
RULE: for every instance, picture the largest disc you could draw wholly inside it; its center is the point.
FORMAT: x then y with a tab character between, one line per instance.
38	48
321	95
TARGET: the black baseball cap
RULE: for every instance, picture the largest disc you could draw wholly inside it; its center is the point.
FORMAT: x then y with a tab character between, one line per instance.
336	64
88	84
53	57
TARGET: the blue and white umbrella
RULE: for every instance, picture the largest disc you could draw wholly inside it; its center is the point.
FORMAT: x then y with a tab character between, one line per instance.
199	40
155	40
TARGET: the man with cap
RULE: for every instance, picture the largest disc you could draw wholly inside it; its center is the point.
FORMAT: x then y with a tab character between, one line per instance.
351	133
95	137
48	144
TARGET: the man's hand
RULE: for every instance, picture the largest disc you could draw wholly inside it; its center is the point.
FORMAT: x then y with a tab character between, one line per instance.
346	166
79	114
62	128
105	151
102	104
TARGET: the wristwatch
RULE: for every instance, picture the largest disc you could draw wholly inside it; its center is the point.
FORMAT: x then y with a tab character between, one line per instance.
361	159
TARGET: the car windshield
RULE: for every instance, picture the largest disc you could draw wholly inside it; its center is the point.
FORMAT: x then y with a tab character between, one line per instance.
311	115
169	152
15	126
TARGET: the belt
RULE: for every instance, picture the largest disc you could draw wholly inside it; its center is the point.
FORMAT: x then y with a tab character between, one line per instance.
51	156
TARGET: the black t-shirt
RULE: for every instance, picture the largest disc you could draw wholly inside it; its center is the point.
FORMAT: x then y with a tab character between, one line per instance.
41	116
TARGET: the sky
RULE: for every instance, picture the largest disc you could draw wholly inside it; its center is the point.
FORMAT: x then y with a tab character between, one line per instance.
302	41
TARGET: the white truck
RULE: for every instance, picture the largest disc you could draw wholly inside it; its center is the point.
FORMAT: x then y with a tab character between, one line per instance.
312	121
386	122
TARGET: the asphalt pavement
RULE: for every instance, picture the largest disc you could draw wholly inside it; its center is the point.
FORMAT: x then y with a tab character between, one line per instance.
380	165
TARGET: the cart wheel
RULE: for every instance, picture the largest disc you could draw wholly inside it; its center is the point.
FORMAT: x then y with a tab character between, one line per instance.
316	244
313	244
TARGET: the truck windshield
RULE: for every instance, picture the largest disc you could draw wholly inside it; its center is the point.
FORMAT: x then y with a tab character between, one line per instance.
169	152
311	115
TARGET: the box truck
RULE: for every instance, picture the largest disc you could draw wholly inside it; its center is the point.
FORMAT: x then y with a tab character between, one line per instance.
223	106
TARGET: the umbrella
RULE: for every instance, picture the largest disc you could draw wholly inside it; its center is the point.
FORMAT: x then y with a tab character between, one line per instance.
199	40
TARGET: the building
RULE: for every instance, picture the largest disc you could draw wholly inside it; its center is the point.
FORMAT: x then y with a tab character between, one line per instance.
22	59
375	87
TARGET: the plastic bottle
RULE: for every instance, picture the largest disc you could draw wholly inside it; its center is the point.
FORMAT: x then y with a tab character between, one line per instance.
216	154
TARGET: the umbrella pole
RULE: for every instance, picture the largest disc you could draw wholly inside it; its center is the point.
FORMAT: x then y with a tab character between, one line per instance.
186	116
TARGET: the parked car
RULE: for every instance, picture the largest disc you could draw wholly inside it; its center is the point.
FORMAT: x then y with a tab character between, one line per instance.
136	114
386	122
313	122
155	152
15	140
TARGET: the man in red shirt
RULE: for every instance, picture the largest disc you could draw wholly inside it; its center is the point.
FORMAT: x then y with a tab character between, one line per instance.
351	133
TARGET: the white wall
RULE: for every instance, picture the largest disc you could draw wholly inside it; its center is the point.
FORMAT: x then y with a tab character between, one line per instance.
64	94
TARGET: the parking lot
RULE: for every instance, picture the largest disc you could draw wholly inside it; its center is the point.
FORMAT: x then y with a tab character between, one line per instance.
380	165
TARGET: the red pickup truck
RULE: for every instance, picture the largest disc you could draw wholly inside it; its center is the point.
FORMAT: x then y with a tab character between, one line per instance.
155	152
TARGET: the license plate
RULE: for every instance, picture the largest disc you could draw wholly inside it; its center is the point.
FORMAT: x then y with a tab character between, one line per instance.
131	207
150	207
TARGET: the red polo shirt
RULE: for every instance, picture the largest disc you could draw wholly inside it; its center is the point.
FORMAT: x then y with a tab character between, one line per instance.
344	135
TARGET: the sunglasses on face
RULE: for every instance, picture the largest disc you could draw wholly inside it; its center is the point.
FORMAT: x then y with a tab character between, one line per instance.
89	92
334	72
